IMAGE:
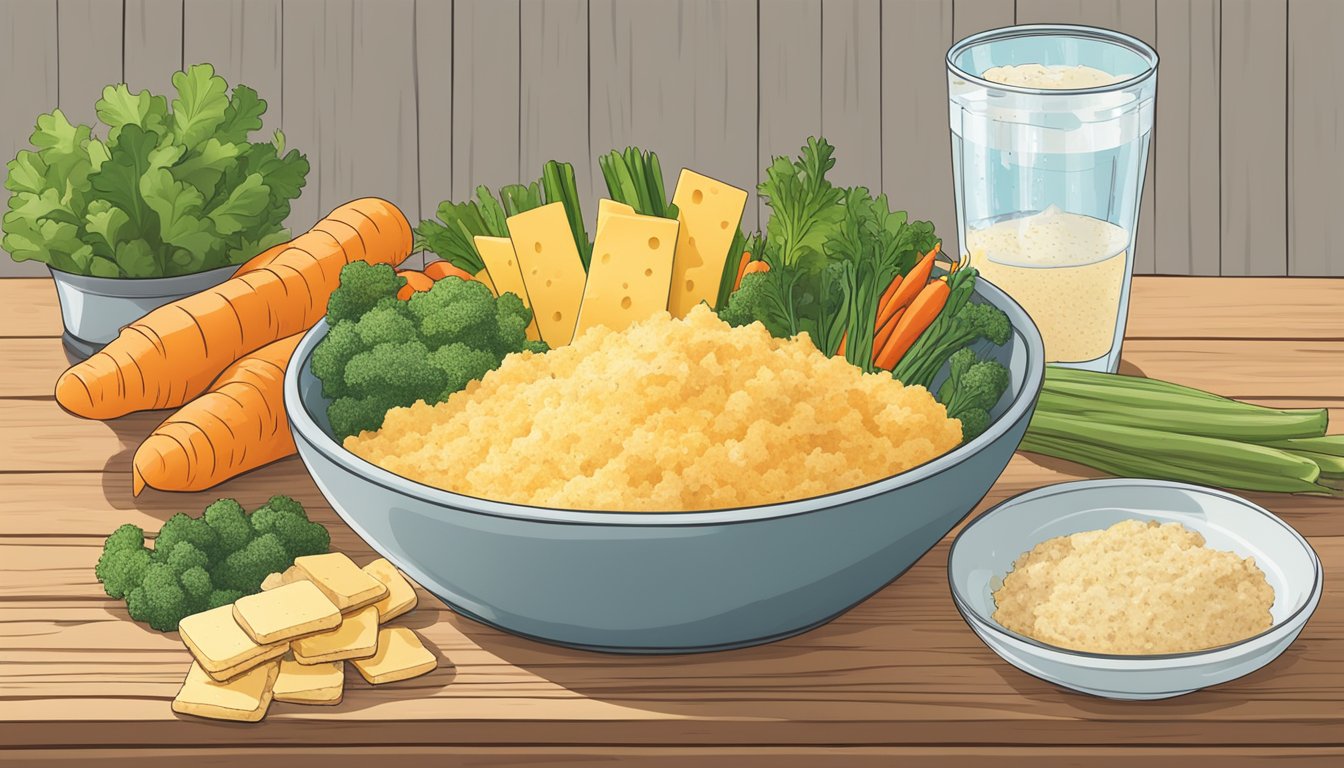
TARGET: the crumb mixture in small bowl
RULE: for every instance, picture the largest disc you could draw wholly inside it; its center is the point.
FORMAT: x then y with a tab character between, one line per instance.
1135	588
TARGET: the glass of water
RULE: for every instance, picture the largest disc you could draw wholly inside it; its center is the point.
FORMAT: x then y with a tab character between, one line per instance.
1050	132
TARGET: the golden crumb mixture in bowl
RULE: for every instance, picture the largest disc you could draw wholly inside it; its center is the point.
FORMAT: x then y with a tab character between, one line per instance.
666	416
1135	588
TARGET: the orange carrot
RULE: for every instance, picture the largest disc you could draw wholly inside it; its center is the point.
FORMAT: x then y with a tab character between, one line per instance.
741	268
441	269
754	267
238	425
913	322
909	287
171	355
415	283
884	333
262	259
840	350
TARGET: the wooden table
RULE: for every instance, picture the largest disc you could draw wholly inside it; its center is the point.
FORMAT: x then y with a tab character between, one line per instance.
899	677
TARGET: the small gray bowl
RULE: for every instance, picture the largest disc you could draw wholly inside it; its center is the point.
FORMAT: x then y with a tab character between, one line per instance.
985	550
95	309
663	582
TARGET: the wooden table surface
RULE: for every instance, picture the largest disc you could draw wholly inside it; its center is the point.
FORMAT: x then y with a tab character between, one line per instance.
898	677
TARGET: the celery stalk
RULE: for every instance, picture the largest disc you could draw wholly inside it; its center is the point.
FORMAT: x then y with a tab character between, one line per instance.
1330	445
1211	418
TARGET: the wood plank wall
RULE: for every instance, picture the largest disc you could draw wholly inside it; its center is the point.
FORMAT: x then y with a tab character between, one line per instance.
420	100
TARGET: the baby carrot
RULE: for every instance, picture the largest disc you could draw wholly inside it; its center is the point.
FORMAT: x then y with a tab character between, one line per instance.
885	332
415	282
914	322
910	286
441	269
741	268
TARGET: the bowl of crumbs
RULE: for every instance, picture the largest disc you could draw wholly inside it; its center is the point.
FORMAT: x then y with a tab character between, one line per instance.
1134	589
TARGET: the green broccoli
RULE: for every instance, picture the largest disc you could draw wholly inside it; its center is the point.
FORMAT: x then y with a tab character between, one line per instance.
124	561
456	310
381	353
204	562
362	286
748	304
228	520
962	323
243	570
285	518
972	388
332	354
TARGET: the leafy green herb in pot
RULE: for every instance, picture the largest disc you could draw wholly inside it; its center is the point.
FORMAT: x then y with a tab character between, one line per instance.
171	189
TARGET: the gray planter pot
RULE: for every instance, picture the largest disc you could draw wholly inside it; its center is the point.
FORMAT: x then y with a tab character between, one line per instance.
95	309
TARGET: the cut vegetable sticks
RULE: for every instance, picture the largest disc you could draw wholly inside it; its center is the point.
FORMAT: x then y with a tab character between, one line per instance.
914	321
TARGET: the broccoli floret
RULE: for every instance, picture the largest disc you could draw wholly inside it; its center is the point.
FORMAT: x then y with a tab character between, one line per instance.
456	310
229	522
986	321
159	601
352	415
285	518
196	584
243	570
389	321
183	528
332	354
186	556
512	319
537	347
362	286
461	365
746	305
124	561
400	369
222	597
972	388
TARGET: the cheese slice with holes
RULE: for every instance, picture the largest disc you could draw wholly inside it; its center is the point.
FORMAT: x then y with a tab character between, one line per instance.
552	271
630	271
710	212
505	277
606	208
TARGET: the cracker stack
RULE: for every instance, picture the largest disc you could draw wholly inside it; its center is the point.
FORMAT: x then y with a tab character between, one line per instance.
289	642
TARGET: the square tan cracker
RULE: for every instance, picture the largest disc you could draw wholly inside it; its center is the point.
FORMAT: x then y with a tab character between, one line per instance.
400	597
400	656
343	582
220	646
356	638
286	612
244	698
310	684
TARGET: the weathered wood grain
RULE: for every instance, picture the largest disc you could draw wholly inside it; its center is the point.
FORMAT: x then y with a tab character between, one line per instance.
28	88
553	98
971	16
89	54
1254	168
851	101
1315	138
1186	150
434	105
916	139
679	756
789	86
677	78
153	43
485	96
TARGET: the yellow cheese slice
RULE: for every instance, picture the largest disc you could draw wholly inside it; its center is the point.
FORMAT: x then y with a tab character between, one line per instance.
710	212
606	208
629	273
501	266
552	271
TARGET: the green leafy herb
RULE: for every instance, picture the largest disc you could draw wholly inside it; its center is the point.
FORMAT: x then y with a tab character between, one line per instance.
635	178
169	191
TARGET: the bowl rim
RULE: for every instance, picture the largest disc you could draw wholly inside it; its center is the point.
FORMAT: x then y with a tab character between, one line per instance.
971	613
306	430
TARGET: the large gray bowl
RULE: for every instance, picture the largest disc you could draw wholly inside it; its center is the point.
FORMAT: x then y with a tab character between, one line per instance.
663	582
